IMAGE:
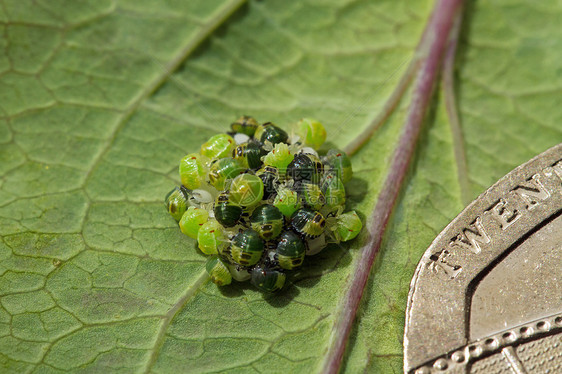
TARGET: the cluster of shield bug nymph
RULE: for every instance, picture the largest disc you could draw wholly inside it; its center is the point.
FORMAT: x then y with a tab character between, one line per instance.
258	200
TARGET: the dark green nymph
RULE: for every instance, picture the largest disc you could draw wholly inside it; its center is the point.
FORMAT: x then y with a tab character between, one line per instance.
290	250
267	221
247	247
225	211
267	279
270	178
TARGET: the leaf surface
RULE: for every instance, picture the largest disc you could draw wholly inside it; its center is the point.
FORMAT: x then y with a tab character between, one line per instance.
100	100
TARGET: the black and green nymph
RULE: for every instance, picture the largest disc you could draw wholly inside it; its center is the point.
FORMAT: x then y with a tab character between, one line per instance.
249	154
305	167
268	132
308	223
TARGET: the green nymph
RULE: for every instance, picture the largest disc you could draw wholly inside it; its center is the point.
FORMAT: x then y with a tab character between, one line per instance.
222	170
246	190
192	220
245	125
218	270
218	146
176	201
193	170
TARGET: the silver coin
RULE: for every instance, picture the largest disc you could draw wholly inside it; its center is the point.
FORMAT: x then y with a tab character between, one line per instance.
486	296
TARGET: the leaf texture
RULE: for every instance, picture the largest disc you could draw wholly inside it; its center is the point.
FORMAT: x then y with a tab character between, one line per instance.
100	99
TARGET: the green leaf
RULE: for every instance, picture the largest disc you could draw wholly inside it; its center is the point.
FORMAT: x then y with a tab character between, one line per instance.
99	100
